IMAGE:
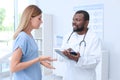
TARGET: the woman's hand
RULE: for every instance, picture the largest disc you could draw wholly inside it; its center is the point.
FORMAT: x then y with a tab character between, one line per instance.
45	61
47	64
46	58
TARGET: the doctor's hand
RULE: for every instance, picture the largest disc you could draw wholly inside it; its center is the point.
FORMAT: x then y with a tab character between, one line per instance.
71	56
76	57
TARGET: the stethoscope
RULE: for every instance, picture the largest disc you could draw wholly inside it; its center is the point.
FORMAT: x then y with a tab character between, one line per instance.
82	43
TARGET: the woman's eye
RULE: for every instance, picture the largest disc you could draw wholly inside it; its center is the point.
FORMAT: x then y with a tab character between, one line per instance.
39	18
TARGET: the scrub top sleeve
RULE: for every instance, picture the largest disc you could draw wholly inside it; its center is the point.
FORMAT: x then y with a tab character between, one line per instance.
93	58
20	42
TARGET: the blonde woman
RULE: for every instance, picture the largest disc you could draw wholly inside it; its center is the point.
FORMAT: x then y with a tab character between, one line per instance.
25	63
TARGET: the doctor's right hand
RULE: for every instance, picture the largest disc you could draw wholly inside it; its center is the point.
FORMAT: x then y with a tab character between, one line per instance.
71	56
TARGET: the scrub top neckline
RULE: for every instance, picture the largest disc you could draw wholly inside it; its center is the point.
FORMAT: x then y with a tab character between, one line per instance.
28	35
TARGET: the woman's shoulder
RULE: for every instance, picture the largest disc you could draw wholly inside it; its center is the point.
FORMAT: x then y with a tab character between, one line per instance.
22	35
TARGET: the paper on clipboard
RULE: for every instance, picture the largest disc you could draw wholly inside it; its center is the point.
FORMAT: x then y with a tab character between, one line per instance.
60	53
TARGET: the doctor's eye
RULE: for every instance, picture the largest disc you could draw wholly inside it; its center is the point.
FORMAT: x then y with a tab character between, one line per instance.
76	20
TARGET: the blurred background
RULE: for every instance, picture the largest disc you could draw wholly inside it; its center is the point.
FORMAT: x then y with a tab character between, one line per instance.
57	21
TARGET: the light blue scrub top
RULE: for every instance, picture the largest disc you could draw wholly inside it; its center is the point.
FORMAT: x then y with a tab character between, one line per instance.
29	52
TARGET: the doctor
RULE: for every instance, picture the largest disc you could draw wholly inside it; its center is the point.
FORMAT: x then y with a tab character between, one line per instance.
83	49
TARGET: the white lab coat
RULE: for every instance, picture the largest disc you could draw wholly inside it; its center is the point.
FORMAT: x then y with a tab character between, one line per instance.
84	69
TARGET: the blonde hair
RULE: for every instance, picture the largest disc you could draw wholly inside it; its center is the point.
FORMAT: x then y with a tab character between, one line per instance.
30	11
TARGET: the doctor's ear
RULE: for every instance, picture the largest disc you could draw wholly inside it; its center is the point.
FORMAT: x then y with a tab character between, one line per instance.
86	23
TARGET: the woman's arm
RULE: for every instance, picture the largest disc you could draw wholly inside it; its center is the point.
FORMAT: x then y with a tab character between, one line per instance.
16	65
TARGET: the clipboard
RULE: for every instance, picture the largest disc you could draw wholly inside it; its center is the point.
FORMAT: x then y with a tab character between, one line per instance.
58	51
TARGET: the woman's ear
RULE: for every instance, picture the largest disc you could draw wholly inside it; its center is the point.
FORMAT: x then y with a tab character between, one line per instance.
31	18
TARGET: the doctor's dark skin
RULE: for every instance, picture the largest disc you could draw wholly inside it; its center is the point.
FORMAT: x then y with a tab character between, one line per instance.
80	26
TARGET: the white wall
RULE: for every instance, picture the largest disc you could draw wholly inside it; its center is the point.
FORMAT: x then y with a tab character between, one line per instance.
111	36
62	10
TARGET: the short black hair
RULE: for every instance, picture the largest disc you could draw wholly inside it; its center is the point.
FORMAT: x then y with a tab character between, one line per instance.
85	13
